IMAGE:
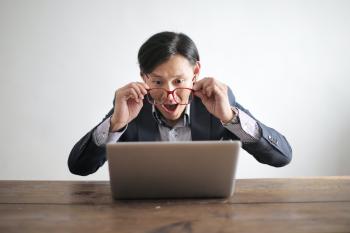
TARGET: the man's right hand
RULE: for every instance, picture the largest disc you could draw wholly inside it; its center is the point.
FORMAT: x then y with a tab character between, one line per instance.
127	104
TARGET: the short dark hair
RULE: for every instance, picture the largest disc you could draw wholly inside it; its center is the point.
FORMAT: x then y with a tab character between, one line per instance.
161	46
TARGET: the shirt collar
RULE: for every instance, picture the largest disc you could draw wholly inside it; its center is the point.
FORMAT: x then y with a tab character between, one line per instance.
160	119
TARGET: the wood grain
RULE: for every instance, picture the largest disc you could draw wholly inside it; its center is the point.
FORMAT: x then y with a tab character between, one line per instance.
247	191
318	204
279	217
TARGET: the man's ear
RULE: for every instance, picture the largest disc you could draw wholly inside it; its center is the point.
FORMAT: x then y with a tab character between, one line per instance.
143	76
197	68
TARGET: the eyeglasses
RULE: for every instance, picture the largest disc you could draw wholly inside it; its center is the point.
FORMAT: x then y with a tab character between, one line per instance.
182	96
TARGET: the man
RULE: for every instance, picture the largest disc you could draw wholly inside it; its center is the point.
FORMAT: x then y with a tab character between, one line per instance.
172	104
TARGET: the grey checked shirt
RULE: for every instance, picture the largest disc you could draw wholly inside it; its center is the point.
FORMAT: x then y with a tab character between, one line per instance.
247	129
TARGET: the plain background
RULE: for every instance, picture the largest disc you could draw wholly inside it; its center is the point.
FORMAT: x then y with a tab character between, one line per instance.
61	61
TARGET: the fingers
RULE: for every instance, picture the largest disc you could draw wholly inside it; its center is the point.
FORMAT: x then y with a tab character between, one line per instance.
133	94
138	89
134	90
201	96
209	87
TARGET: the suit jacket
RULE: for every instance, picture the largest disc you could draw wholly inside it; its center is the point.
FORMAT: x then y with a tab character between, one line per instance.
272	148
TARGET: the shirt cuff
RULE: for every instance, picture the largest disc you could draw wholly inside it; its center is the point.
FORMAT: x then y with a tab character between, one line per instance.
102	136
246	129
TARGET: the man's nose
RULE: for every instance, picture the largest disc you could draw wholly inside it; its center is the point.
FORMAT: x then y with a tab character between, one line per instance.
169	86
170	97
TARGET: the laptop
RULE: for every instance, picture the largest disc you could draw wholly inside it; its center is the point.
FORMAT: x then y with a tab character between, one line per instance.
153	170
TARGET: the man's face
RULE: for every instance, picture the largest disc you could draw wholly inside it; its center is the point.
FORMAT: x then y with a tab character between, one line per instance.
177	72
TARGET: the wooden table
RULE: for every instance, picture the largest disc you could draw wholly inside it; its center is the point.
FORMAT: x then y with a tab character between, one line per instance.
320	204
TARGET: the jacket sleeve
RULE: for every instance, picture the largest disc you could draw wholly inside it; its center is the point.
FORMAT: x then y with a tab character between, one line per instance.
272	148
86	157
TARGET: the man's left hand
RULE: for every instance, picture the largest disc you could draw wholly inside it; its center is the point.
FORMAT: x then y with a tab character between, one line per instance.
214	97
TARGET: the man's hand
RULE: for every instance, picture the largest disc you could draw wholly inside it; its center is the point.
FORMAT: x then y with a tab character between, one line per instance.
214	97
127	104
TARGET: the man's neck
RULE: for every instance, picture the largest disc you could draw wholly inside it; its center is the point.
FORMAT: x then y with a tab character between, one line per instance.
171	123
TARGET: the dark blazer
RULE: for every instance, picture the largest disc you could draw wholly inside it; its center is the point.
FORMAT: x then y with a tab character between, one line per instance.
272	148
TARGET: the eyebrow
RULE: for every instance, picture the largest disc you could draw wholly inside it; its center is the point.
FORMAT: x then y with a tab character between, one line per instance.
159	76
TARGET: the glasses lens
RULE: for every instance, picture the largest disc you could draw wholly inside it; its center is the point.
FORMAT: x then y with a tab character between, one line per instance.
157	96
183	95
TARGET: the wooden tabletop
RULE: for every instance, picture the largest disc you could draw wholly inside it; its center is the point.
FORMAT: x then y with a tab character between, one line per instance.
319	204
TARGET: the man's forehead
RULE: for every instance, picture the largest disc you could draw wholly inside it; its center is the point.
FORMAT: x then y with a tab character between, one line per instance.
167	75
176	66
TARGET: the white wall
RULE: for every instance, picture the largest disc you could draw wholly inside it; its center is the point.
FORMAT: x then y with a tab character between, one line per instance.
61	61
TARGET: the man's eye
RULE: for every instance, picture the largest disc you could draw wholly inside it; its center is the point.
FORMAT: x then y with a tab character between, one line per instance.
179	81
157	82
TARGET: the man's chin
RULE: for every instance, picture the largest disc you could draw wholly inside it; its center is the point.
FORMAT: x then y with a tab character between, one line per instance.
171	116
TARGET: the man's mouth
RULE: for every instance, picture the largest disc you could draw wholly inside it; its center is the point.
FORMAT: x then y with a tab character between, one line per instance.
170	107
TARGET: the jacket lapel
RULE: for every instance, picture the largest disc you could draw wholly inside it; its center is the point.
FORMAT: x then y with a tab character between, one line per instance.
147	127
200	121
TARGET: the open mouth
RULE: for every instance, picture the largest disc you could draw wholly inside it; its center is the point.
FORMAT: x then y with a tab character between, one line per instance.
170	107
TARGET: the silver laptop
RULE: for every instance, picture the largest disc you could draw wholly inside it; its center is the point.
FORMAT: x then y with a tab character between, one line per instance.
194	169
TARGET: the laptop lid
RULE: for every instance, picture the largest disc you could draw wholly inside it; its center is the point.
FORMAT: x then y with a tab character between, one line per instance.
193	169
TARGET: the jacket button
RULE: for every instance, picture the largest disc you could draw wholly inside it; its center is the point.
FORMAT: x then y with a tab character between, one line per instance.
273	140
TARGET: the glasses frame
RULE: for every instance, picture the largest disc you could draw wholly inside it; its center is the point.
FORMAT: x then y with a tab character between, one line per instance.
170	92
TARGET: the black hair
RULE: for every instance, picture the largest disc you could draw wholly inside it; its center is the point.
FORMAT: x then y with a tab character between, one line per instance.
161	46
